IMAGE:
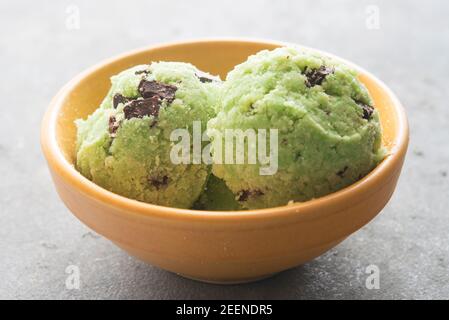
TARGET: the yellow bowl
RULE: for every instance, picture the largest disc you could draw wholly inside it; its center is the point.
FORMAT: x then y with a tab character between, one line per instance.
220	247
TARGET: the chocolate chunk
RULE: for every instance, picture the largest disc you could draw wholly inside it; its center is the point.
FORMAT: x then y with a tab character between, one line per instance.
113	126
342	172
204	79
367	111
142	72
118	98
158	182
244	195
149	89
317	76
142	107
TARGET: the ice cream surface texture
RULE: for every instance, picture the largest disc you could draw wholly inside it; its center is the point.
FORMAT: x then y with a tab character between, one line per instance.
329	134
216	197
124	146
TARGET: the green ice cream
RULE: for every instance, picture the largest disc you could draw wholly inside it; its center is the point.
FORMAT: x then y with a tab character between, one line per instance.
216	197
328	132
329	135
124	146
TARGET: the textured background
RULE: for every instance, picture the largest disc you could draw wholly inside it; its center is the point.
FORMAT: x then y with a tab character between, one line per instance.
39	238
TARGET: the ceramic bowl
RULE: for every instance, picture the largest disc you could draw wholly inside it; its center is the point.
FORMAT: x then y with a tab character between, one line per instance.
219	247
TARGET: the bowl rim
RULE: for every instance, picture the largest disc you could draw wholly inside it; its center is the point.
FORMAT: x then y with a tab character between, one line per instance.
60	164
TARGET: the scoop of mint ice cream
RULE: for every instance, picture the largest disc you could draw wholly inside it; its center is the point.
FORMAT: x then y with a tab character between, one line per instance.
329	135
216	197
124	146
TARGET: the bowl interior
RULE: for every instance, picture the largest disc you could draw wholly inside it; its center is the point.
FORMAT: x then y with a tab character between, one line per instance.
83	94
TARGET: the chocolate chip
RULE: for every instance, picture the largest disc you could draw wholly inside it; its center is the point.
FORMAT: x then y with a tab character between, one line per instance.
142	72
142	107
204	79
118	98
150	89
244	195
158	182
113	126
317	76
367	110
342	172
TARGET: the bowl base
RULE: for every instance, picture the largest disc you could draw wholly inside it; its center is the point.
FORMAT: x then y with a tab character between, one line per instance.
230	281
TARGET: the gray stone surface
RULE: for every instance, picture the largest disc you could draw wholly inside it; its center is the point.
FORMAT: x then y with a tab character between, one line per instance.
39	237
